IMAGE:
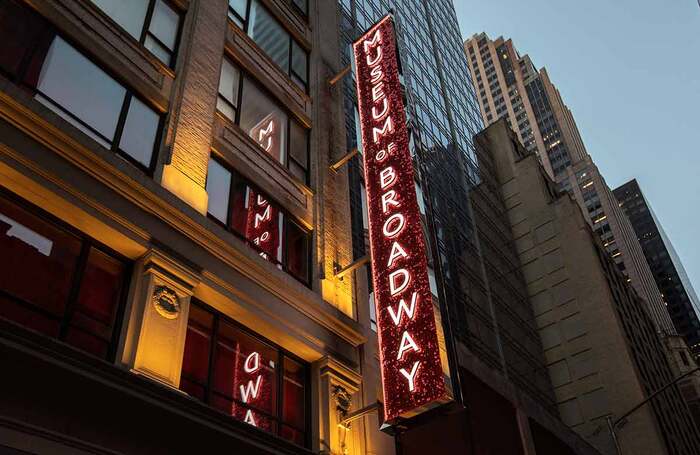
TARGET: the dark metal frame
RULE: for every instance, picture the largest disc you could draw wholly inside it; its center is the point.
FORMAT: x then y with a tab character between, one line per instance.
279	374
146	31
87	243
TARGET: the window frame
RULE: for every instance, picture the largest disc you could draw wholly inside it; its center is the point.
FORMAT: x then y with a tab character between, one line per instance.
145	30
244	77
20	76
217	317
245	29
237	178
87	243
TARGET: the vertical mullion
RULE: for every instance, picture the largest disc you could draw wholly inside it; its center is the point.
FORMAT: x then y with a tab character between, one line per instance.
122	120
239	100
147	21
74	290
246	20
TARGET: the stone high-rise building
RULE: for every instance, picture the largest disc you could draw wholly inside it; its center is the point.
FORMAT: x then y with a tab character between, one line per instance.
510	87
601	347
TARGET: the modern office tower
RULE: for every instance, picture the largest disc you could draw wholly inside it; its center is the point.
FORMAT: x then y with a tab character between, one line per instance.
670	276
510	87
502	396
170	231
602	351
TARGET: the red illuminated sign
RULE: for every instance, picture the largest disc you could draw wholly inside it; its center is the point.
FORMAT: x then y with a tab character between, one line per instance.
412	373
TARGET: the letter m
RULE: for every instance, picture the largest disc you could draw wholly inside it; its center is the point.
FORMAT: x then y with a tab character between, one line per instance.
370	43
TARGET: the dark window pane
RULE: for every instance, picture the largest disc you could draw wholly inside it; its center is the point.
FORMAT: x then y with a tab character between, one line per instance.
290	434
164	24
297	251
28	317
100	289
80	87
129	14
294	399
297	171
218	188
269	35
20	30
264	121
139	134
38	264
258	220
192	388
87	342
299	61
299	143
195	362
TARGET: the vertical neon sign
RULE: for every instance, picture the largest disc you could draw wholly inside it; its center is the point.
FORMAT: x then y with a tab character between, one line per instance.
412	373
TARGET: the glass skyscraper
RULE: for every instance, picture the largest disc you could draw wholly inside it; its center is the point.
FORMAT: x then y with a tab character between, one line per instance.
678	293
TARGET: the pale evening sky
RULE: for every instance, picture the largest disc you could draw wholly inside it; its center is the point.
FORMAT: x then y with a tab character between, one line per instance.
630	72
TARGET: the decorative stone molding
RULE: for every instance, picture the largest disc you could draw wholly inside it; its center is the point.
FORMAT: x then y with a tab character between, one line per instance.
166	302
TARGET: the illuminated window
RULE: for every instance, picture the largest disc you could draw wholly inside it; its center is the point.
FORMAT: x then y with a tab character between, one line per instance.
260	116
64	80
253	216
244	376
57	282
254	19
153	23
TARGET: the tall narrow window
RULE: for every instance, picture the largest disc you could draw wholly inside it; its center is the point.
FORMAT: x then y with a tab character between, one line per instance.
267	32
67	82
153	23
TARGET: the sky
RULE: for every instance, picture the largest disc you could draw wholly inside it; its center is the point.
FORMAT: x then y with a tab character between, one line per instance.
629	70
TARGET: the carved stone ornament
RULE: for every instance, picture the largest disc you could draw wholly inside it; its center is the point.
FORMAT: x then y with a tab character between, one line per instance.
166	302
342	399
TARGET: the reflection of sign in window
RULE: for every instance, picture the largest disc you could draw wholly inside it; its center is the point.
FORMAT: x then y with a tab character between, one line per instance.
268	134
251	390
262	225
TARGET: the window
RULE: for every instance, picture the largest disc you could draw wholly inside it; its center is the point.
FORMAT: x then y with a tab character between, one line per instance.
153	23
244	376
254	19
67	82
59	283
254	217
242	101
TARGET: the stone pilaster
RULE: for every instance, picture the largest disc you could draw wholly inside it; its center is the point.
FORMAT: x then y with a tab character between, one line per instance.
338	387
185	172
155	337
